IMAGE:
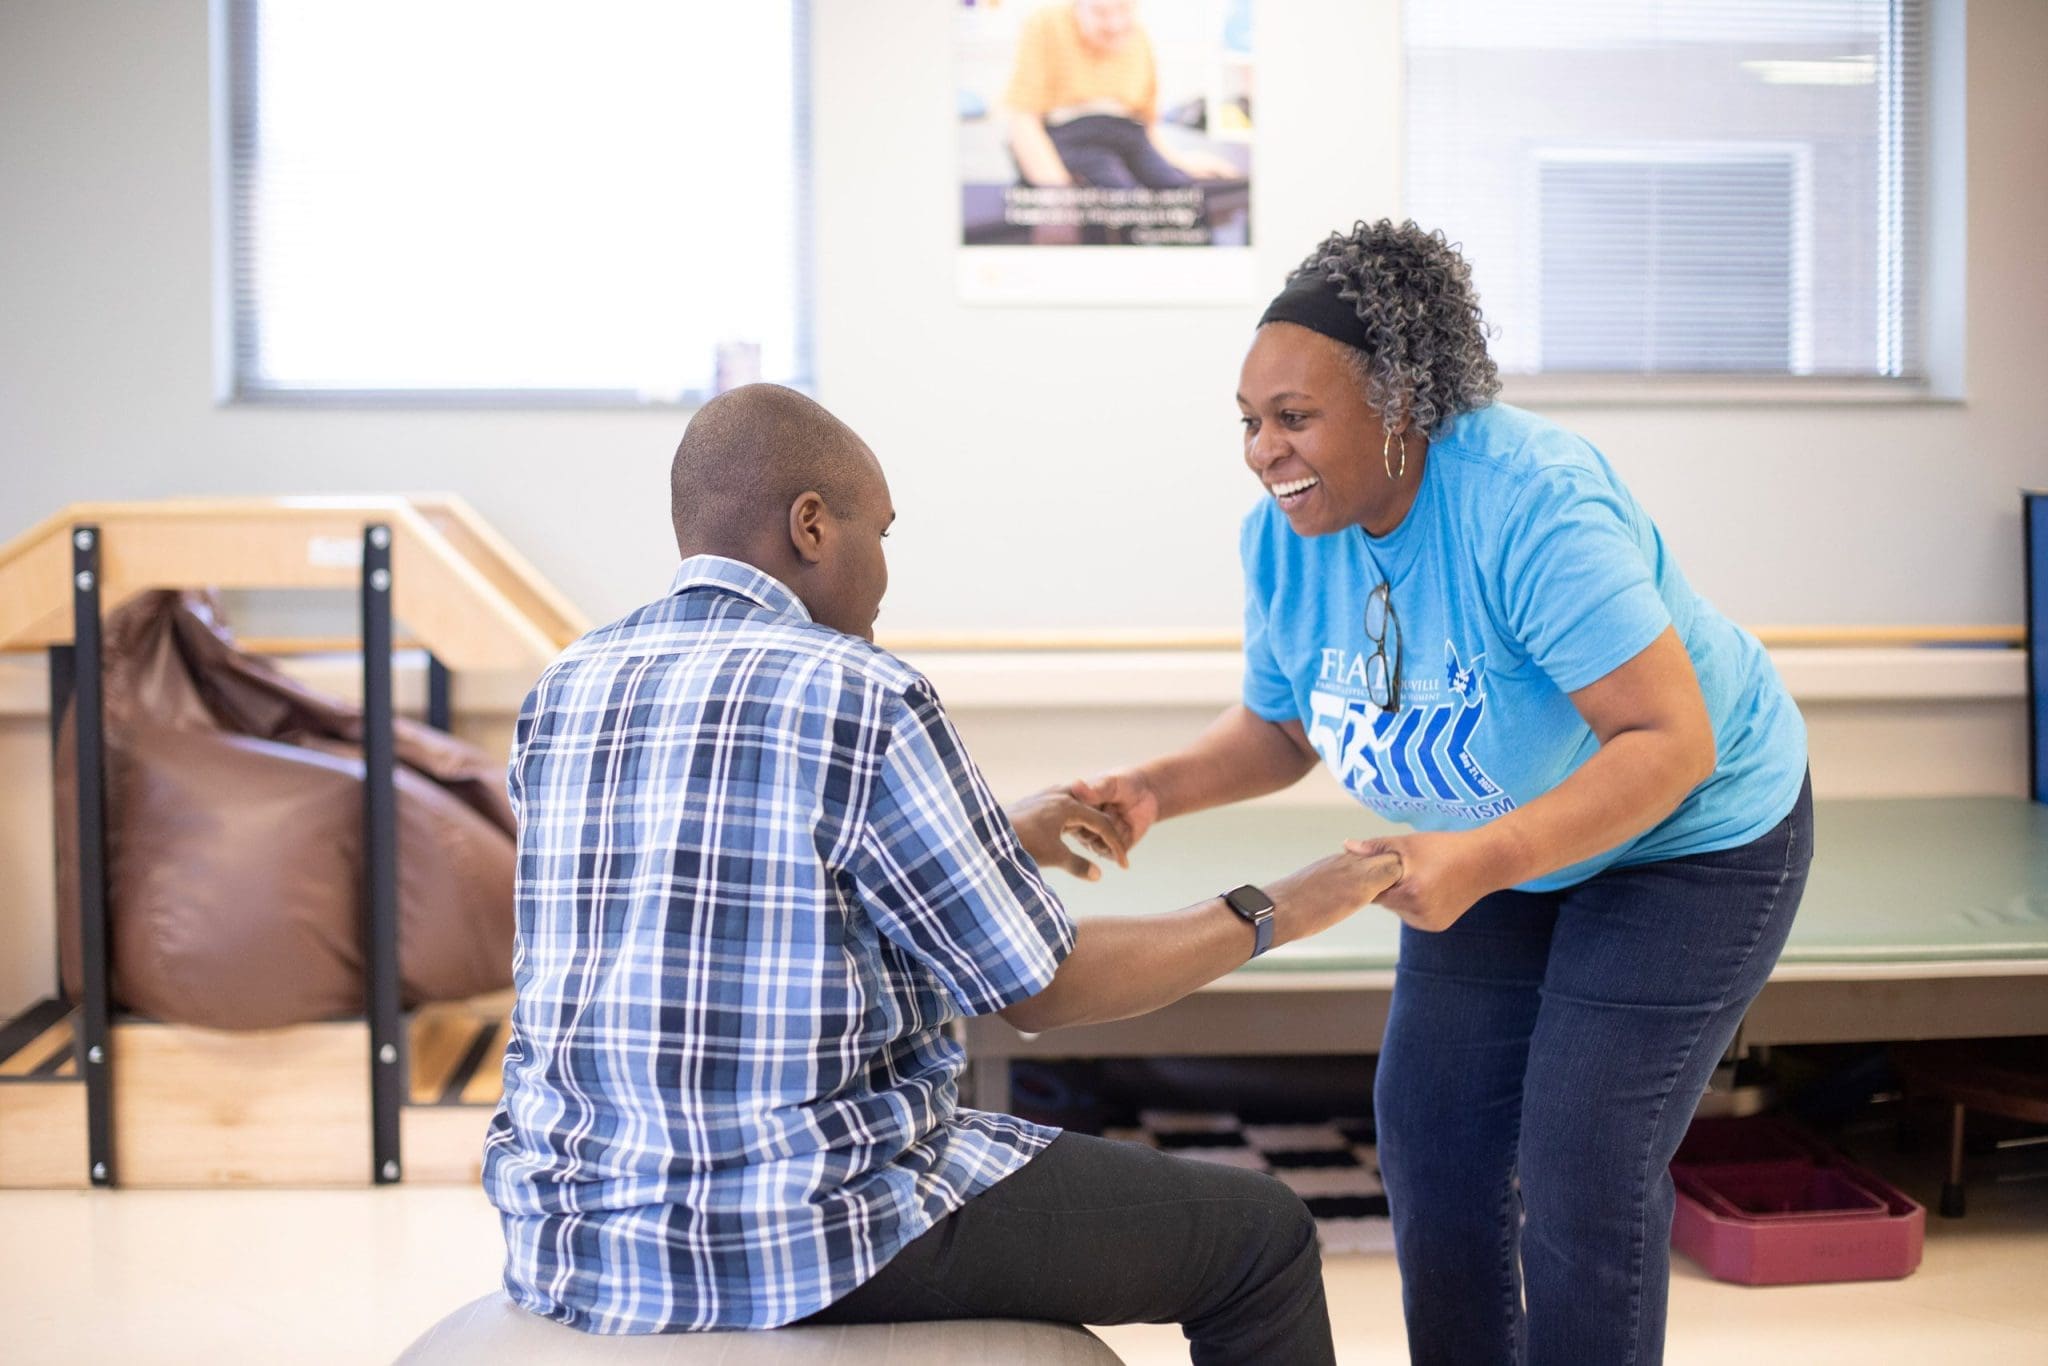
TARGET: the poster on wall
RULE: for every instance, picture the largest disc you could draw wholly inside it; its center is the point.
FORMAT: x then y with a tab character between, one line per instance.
1105	151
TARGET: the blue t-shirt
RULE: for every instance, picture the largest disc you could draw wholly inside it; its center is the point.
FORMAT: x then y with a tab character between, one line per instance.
1523	572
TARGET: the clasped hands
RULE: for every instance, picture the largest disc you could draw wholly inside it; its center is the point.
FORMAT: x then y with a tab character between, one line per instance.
1440	874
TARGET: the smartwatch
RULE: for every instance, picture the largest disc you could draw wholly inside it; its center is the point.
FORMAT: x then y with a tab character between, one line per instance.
1255	908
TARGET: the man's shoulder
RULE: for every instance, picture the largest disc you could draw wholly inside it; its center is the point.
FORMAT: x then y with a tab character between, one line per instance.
859	662
768	651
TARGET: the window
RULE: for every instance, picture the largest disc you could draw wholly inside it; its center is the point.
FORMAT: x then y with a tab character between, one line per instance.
1679	259
1678	186
508	200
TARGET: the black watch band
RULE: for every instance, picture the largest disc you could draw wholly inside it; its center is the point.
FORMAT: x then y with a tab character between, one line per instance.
1256	908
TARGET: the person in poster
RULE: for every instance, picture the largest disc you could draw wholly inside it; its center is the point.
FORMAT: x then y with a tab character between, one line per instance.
1082	107
1077	130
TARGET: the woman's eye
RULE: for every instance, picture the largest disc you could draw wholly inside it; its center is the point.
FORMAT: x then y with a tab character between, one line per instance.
1293	419
1250	424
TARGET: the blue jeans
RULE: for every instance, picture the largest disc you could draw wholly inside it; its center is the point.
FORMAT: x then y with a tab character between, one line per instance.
1542	1061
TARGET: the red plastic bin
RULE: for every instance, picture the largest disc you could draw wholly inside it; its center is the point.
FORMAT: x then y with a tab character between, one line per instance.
1760	1203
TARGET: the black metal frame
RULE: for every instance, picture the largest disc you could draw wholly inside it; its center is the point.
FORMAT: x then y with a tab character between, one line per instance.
440	695
76	673
380	862
62	670
2033	507
89	733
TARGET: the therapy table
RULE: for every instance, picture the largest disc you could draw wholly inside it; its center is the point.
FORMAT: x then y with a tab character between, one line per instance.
1924	918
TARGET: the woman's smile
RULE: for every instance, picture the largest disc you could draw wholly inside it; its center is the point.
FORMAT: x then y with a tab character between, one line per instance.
1292	493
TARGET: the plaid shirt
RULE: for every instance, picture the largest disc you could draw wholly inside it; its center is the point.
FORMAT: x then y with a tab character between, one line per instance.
757	873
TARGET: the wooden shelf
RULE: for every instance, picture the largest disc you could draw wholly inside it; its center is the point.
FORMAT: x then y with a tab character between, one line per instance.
459	588
266	1107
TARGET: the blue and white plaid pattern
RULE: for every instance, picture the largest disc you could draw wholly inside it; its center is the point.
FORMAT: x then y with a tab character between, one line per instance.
757	873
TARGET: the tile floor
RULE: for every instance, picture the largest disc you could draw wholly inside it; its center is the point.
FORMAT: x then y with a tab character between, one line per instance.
351	1276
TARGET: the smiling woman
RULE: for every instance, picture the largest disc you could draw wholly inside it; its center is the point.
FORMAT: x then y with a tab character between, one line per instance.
1419	360
1596	762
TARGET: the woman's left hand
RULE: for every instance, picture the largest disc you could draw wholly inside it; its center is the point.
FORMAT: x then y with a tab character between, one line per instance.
1442	875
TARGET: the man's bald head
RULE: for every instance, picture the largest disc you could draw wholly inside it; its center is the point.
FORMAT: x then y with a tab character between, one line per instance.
745	458
766	476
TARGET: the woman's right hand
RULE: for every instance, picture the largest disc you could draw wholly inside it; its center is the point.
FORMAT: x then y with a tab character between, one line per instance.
1311	899
1127	797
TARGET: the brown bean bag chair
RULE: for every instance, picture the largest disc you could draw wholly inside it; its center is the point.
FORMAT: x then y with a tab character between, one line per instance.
234	838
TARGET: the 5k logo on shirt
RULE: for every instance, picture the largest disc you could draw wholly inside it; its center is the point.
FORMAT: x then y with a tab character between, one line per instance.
1415	760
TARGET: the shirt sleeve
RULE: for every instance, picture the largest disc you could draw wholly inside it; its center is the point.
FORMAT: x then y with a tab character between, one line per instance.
1578	592
1268	692
1031	74
942	874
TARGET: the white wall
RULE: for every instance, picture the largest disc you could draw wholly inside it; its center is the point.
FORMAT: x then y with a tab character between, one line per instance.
1053	467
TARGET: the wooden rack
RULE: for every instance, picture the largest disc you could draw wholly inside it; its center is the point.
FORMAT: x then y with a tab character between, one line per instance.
86	1098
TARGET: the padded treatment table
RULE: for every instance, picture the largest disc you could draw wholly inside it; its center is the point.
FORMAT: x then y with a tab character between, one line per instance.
1925	918
493	1331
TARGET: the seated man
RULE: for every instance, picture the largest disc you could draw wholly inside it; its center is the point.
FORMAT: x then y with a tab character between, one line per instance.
757	874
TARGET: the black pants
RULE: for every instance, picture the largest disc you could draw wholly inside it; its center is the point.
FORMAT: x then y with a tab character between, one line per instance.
1114	154
1094	1231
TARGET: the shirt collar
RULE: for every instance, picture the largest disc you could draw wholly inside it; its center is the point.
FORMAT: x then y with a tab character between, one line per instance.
740	578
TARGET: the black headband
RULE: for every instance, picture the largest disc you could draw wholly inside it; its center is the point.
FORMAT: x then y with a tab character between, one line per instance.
1310	301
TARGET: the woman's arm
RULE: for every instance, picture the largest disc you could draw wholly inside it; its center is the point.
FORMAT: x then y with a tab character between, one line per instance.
1240	755
1656	746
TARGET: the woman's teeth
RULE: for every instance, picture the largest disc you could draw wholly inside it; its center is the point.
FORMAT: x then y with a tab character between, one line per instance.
1293	489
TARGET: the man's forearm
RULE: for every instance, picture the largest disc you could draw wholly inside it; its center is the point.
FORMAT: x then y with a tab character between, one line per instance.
1128	965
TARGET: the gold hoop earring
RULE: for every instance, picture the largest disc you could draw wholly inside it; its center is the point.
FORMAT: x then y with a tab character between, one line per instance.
1387	457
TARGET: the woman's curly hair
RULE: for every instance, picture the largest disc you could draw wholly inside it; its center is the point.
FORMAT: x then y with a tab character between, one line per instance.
1425	359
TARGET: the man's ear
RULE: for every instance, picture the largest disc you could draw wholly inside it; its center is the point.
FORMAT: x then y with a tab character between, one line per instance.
810	526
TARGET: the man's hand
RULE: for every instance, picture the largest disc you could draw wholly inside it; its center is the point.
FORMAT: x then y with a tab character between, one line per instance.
1311	899
1441	876
1044	819
1125	797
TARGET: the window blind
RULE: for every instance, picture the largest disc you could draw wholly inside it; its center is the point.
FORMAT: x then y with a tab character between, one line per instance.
1678	186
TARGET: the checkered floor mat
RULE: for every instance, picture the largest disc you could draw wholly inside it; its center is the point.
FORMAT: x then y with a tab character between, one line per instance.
1331	1165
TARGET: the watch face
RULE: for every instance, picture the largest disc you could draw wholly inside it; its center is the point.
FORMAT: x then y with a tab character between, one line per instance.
1248	901
1255	908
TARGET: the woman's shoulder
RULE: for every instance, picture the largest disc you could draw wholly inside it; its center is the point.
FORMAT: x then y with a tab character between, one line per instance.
1505	449
1505	435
